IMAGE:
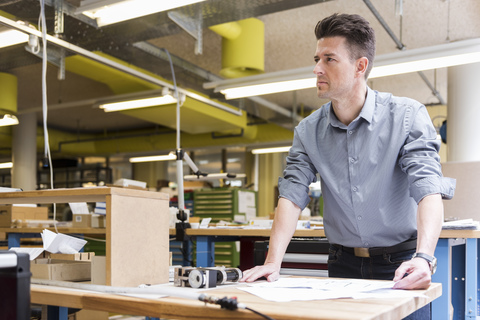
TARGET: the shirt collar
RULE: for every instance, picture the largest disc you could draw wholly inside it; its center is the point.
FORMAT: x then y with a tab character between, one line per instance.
366	113
369	106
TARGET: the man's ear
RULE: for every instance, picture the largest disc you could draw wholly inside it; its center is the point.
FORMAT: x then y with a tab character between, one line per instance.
362	64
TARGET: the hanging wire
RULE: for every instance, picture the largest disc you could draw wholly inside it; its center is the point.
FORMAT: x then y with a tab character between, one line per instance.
47	155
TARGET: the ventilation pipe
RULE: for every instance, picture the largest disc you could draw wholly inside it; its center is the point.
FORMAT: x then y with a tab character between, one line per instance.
8	94
243	47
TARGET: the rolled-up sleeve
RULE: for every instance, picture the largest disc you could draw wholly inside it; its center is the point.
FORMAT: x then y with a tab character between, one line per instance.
420	160
299	173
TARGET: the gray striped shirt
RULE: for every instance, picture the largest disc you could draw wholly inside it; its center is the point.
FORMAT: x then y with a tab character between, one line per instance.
373	172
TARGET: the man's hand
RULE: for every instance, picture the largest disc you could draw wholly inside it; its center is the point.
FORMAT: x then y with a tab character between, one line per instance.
413	274
270	271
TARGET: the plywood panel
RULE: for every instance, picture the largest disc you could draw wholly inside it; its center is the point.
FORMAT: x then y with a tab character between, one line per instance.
138	241
466	201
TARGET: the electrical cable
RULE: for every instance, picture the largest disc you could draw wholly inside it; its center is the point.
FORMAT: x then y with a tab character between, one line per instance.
47	155
259	313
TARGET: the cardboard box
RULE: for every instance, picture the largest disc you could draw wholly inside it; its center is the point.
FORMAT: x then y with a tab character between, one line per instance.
62	270
91	315
98	221
9	213
82	221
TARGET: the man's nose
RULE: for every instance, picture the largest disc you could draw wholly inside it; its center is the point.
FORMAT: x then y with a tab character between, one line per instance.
317	69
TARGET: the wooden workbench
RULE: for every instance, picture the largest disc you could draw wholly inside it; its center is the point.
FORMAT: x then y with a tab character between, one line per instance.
178	308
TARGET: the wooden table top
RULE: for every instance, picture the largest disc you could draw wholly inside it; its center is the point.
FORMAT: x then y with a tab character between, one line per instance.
68	230
313	233
93	194
251	232
178	308
306	232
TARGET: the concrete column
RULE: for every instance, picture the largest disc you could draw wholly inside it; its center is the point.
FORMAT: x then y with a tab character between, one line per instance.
463	113
24	152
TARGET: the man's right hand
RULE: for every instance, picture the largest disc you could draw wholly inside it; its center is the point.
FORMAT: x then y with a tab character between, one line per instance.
268	270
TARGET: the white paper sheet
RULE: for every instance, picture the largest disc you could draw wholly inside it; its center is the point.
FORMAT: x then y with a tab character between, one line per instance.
305	289
61	243
79	207
32	252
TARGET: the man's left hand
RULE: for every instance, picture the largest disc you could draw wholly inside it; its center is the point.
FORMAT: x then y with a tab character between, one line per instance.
413	274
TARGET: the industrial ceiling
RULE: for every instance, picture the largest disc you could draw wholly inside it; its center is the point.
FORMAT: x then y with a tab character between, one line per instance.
80	128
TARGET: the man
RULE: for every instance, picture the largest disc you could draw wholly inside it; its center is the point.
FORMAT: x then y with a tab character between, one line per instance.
377	157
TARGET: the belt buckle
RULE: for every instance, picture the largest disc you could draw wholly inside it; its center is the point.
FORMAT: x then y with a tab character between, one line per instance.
361	252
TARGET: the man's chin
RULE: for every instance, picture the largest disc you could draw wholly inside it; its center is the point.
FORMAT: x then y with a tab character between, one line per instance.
322	94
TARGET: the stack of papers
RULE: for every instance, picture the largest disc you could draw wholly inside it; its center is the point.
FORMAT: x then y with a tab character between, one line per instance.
101	208
465	224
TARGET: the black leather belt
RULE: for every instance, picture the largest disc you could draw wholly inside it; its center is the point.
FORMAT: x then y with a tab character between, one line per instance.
370	252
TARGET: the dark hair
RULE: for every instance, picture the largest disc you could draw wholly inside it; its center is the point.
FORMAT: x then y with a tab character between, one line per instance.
356	30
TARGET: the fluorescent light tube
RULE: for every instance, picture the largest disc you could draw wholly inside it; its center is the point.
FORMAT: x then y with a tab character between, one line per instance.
6	165
12	37
267	88
271	150
139	103
170	156
401	62
106	12
8	120
425	64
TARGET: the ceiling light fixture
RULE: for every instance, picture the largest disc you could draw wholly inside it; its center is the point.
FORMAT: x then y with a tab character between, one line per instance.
6	165
401	62
12	37
165	98
271	150
170	156
8	120
107	12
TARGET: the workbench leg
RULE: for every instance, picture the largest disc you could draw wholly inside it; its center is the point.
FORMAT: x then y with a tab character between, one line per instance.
205	251
458	279
187	253
471	276
57	313
441	305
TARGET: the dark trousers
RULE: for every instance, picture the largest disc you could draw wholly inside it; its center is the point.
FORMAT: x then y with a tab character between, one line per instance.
342	264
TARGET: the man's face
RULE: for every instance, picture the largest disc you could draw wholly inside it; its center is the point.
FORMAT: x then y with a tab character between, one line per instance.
334	69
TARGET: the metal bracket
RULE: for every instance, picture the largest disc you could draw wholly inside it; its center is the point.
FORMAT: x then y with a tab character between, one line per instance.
192	26
68	8
54	56
59	21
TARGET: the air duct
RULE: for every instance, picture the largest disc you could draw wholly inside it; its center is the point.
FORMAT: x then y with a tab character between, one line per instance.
243	47
8	98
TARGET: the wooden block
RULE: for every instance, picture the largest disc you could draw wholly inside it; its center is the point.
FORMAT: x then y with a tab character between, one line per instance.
99	275
80	256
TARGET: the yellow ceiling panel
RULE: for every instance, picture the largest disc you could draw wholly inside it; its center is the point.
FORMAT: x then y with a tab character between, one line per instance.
119	81
195	117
